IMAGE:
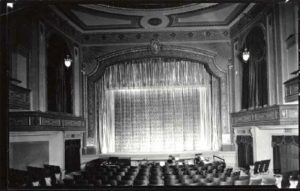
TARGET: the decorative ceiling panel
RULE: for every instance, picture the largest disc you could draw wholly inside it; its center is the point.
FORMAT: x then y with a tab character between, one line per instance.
91	20
88	19
218	15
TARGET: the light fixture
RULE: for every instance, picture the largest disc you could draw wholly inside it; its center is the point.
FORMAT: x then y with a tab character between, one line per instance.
246	55
10	5
68	61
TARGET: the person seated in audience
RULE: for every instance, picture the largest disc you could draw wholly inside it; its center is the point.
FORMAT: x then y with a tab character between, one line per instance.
199	160
171	160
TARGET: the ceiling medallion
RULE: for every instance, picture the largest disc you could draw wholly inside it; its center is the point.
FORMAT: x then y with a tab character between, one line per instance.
155	46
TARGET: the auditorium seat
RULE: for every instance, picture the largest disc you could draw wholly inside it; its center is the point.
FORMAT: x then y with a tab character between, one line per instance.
225	183
209	182
257	165
241	182
216	180
268	180
68	182
126	182
209	175
17	178
202	181
141	182
113	182
230	180
255	181
99	182
37	176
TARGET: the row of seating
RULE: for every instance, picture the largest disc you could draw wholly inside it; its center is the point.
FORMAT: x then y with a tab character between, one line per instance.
154	175
261	166
214	174
49	175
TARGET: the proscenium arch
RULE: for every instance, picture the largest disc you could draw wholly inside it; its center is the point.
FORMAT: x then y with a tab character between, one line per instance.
167	51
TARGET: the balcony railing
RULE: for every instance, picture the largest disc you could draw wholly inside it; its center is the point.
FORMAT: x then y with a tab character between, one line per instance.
44	121
272	115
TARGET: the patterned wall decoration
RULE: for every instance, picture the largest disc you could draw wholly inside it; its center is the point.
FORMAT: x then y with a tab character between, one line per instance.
44	121
145	51
165	36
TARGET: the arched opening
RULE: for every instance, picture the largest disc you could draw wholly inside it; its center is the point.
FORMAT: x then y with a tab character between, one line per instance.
59	76
157	104
255	78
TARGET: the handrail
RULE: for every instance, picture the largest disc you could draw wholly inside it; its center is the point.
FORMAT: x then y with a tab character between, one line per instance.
214	156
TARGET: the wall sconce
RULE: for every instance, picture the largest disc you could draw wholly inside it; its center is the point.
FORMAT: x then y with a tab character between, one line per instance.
246	55
10	5
68	61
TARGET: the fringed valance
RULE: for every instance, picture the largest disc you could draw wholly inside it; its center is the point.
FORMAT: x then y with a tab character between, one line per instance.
285	140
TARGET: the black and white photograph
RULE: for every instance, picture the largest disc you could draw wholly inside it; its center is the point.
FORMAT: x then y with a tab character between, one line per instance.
149	95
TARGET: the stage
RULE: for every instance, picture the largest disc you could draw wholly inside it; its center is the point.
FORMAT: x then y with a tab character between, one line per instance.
136	158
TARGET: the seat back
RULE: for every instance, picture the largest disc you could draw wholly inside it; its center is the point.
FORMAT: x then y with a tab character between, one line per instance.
266	165
224	183
17	178
257	165
255	181
241	182
36	174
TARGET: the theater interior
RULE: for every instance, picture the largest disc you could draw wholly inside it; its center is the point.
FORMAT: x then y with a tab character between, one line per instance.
130	95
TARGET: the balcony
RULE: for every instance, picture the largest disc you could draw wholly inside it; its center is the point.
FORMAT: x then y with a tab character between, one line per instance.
272	115
44	121
292	88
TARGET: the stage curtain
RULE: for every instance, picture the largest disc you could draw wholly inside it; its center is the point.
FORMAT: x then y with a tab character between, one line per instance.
157	105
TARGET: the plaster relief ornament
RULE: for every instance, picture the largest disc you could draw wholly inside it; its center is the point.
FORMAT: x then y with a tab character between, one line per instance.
155	46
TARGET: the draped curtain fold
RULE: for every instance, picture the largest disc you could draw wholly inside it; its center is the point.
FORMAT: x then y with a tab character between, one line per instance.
245	151
255	78
157	104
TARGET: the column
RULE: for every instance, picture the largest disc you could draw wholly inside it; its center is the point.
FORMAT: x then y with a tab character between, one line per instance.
76	82
42	69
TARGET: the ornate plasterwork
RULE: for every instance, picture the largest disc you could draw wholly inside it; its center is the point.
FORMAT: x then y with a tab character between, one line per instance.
203	57
164	36
44	121
273	115
247	19
82	17
155	46
212	16
51	18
